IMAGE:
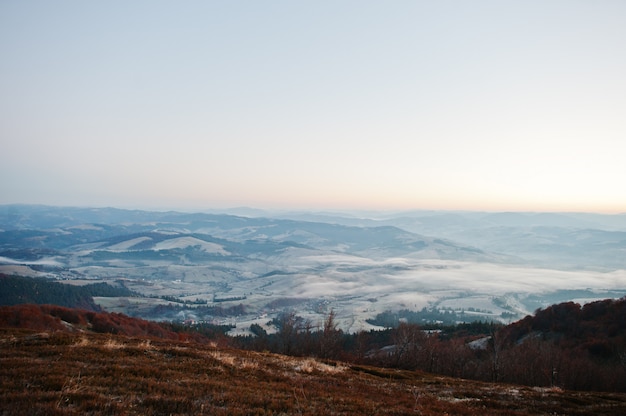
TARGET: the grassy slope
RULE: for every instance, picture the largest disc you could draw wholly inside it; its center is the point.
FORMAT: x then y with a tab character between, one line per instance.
83	373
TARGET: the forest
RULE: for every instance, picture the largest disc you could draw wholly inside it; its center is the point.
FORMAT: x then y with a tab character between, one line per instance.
18	290
566	345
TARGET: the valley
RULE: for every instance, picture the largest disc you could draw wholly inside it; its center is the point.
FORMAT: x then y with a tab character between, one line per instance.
240	270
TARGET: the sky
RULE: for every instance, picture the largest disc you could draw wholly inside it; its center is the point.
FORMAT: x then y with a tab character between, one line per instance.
454	105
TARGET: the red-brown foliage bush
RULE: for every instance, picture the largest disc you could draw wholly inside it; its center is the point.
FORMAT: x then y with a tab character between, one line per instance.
51	318
28	317
72	316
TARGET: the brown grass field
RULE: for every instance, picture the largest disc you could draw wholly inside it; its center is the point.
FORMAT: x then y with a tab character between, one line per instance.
57	373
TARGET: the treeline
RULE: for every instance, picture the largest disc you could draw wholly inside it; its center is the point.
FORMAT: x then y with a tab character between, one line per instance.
172	311
297	336
171	298
565	345
19	290
447	317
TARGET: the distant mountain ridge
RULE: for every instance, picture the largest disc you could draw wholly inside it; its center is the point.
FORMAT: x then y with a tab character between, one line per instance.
570	241
51	228
553	240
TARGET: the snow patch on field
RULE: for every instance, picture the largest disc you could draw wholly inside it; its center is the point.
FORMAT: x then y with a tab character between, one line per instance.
85	227
184	242
20	270
126	245
47	261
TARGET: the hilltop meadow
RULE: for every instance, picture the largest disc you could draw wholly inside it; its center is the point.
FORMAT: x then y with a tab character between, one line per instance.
57	373
63	361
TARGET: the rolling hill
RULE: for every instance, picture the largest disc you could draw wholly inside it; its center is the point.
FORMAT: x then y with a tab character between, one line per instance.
146	369
501	269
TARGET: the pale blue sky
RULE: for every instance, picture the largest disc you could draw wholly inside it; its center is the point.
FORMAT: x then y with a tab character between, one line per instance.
498	105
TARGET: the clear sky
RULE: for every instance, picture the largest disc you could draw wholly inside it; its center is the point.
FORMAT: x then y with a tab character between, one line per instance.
496	105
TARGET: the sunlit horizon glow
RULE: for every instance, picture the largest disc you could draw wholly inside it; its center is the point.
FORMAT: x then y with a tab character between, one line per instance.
452	105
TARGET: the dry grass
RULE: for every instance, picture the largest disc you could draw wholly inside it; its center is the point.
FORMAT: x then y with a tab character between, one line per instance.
82	342
310	365
113	344
226	359
76	374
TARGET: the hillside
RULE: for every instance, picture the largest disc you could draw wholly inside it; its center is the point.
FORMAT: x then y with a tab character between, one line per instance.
565	346
58	373
18	290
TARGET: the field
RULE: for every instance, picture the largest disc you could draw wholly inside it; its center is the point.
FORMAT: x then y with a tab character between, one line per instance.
51	373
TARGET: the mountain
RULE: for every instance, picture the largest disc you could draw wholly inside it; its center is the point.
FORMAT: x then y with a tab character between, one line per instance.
259	266
565	241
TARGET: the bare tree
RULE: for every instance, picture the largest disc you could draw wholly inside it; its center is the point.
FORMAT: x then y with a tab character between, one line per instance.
330	339
408	340
287	331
